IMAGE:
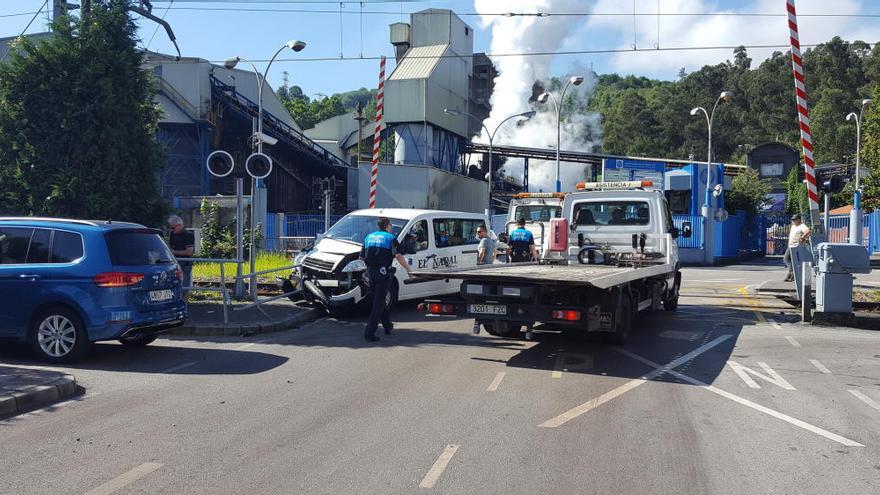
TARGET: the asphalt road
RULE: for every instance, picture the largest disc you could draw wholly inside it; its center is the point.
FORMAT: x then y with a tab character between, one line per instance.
756	405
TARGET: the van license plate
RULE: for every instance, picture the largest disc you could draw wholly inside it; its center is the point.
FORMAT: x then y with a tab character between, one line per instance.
161	295
487	309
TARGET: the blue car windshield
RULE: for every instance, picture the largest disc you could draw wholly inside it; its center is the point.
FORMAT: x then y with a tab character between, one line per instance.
354	228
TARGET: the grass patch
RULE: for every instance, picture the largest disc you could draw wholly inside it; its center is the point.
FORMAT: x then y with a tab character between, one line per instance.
866	296
265	261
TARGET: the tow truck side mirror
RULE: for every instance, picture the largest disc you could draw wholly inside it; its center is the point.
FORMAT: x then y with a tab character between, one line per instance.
686	229
674	232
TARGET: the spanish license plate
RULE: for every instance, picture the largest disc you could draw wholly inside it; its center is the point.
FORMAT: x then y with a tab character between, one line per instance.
487	309
161	295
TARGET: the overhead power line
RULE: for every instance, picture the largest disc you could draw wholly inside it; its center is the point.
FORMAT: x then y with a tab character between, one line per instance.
519	14
20	14
541	54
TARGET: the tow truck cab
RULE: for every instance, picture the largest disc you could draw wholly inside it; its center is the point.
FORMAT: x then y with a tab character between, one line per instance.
538	209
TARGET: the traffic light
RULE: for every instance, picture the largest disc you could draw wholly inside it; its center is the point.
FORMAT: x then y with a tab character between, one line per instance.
220	163
833	185
258	165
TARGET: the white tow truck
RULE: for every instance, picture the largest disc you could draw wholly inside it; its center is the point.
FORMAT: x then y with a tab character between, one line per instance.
620	257
537	209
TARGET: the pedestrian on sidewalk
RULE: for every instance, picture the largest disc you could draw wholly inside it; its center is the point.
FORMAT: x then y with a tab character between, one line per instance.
797	236
380	250
182	243
486	248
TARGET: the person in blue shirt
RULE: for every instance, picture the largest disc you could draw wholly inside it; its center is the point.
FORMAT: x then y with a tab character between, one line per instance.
380	250
521	244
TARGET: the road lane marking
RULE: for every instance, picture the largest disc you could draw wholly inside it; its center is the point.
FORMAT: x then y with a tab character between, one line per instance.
439	466
125	479
750	300
757	407
180	367
681	335
794	343
819	366
497	381
774	323
774	377
626	387
864	398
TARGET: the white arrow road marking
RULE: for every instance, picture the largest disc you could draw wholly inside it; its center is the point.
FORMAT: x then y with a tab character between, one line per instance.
766	410
626	387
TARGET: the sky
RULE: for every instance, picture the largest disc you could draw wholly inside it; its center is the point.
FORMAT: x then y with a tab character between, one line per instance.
222	33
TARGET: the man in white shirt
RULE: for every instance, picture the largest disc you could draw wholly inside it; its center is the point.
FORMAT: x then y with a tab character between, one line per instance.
797	236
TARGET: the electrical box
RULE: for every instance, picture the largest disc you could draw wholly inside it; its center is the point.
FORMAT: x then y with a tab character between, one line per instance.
834	275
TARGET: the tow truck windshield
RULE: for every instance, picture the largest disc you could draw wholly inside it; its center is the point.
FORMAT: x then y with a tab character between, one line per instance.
612	213
538	213
354	228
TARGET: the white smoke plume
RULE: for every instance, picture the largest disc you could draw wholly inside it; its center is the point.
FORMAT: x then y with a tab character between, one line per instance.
513	87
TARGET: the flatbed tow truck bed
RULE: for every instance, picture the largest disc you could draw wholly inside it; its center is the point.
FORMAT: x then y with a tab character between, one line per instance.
599	276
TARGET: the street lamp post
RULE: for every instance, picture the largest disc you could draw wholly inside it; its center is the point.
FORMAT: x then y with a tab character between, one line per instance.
708	207
491	135
296	46
575	80
855	216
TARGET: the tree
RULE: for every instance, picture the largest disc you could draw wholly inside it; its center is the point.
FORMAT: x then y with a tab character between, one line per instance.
78	123
796	193
747	192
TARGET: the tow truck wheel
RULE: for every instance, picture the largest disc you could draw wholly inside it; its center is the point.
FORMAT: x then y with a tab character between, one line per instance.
624	324
671	304
511	331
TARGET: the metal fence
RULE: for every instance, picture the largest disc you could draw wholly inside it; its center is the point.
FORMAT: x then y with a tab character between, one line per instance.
695	241
299	225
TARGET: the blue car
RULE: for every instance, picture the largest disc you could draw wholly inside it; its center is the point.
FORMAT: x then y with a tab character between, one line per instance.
65	284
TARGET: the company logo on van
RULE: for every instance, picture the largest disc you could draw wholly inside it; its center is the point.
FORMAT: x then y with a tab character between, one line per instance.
438	262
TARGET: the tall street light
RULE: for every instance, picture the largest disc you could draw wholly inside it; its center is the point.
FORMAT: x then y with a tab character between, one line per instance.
855	216
576	80
708	207
230	63
491	135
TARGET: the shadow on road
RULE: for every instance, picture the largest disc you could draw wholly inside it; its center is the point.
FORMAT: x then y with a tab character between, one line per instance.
161	359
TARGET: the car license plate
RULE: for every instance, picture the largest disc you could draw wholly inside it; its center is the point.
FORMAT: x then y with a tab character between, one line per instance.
487	309
161	295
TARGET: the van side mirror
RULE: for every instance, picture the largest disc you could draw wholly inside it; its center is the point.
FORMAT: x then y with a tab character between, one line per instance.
686	229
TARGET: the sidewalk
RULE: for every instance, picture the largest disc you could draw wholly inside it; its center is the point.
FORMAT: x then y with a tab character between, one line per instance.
26	389
206	319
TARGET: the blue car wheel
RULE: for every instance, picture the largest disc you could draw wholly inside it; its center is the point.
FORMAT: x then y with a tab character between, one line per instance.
58	335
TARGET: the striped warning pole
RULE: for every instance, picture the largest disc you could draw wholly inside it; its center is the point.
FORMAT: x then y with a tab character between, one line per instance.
377	138
797	65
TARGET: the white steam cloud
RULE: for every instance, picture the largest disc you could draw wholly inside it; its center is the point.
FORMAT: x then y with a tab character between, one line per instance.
513	87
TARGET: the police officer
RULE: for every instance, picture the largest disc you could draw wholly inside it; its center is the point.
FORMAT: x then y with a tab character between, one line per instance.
379	251
521	244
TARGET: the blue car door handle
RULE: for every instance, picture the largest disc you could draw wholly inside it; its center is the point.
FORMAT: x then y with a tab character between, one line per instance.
29	276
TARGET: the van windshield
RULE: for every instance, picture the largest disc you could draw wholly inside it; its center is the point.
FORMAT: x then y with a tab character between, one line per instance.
537	213
354	228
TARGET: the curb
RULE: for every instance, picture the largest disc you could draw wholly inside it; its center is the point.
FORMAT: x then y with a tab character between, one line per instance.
221	330
37	396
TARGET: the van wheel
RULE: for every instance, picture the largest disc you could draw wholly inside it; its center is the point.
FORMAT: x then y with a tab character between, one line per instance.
624	324
59	336
392	295
137	340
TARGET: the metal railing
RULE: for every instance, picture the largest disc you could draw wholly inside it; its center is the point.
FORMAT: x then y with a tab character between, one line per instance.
224	291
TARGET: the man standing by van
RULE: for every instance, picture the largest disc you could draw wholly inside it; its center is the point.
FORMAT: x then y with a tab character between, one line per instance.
182	244
486	248
522	244
797	236
379	252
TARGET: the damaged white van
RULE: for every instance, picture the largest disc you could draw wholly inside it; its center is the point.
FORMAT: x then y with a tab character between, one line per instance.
332	275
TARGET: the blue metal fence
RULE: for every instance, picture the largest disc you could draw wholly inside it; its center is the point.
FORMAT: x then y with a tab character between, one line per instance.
696	238
872	220
298	225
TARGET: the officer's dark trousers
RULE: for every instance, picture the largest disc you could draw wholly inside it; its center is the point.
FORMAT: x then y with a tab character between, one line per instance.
380	284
